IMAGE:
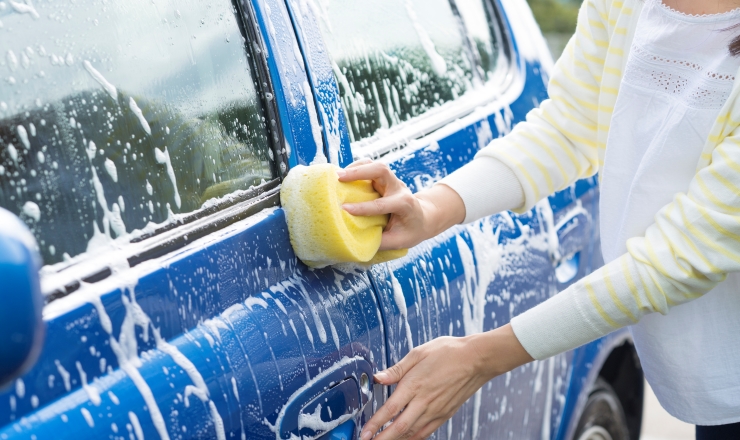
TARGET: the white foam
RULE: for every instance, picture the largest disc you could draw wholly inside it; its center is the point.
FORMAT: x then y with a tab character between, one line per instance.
400	301
315	125
218	422
88	417
110	168
12	60
92	392
438	63
65	375
252	301
137	111
12	152
136	425
97	76
32	210
163	158
24	8
20	388
235	388
23	136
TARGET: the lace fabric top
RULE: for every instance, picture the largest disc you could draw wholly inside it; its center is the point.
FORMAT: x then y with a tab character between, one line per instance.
684	55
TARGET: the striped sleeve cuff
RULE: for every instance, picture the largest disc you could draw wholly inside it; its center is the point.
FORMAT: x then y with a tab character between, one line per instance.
487	187
559	324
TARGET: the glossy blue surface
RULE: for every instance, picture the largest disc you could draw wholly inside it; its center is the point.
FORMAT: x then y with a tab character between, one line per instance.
21	327
232	337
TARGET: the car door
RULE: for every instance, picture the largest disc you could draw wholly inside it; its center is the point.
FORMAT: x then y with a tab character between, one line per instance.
422	87
145	150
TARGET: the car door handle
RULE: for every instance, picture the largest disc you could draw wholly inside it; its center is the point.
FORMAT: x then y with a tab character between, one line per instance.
324	406
567	268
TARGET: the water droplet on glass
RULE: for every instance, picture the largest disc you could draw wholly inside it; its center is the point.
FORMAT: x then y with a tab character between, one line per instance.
12	60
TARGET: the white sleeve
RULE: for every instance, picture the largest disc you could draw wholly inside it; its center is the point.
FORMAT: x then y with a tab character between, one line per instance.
487	187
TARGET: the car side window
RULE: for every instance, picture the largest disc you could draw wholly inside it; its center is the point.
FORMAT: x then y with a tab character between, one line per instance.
147	110
395	60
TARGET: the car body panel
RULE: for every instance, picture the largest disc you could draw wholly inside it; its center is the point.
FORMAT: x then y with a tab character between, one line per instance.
234	322
231	335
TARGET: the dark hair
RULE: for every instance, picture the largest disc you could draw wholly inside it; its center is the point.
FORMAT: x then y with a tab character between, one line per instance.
735	43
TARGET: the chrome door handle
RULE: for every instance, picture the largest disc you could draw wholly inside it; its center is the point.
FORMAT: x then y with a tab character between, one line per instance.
328	402
567	268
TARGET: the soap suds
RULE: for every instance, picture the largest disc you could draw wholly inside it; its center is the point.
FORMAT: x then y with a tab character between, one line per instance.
23	136
136	425
438	63
97	76
402	309
65	375
163	158
110	168
137	111
88	417
24	8
32	210
92	392
320	158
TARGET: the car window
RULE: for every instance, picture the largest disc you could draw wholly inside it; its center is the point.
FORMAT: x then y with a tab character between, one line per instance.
121	114
397	59
480	30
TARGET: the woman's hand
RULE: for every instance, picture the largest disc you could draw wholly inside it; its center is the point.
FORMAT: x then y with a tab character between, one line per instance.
414	217
436	378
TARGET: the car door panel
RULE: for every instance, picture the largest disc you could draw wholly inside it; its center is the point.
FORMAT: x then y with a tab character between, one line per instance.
275	326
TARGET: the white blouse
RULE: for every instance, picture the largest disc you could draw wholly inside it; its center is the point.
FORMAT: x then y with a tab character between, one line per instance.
678	75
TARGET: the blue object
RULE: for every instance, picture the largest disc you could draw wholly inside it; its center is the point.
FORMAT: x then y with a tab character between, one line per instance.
21	327
216	330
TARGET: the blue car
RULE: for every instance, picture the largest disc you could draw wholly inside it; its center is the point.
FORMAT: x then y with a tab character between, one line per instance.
142	144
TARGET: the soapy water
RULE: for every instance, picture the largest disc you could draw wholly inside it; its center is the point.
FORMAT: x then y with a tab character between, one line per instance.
47	122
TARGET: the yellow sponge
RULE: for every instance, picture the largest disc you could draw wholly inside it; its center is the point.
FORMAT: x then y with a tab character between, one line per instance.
321	232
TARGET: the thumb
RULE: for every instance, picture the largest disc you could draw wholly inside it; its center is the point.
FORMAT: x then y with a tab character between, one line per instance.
395	373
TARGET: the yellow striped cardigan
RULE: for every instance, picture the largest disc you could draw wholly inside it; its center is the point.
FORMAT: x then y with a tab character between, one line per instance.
695	240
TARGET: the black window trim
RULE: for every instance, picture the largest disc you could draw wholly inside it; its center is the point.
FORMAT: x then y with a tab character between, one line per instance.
406	133
62	279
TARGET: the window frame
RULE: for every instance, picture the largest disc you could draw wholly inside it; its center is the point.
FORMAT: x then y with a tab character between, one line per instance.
504	76
62	279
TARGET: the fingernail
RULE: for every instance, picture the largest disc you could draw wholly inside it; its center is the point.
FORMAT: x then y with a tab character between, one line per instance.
347	207
366	435
341	173
381	376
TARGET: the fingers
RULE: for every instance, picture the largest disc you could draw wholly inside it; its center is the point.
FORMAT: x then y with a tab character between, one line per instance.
395	373
401	203
364	161
379	173
399	399
406	425
429	429
395	404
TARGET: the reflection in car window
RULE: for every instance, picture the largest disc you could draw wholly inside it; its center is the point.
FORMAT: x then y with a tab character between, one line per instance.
121	113
396	59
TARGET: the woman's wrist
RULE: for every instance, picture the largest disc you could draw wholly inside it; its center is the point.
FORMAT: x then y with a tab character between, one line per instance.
443	208
497	352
